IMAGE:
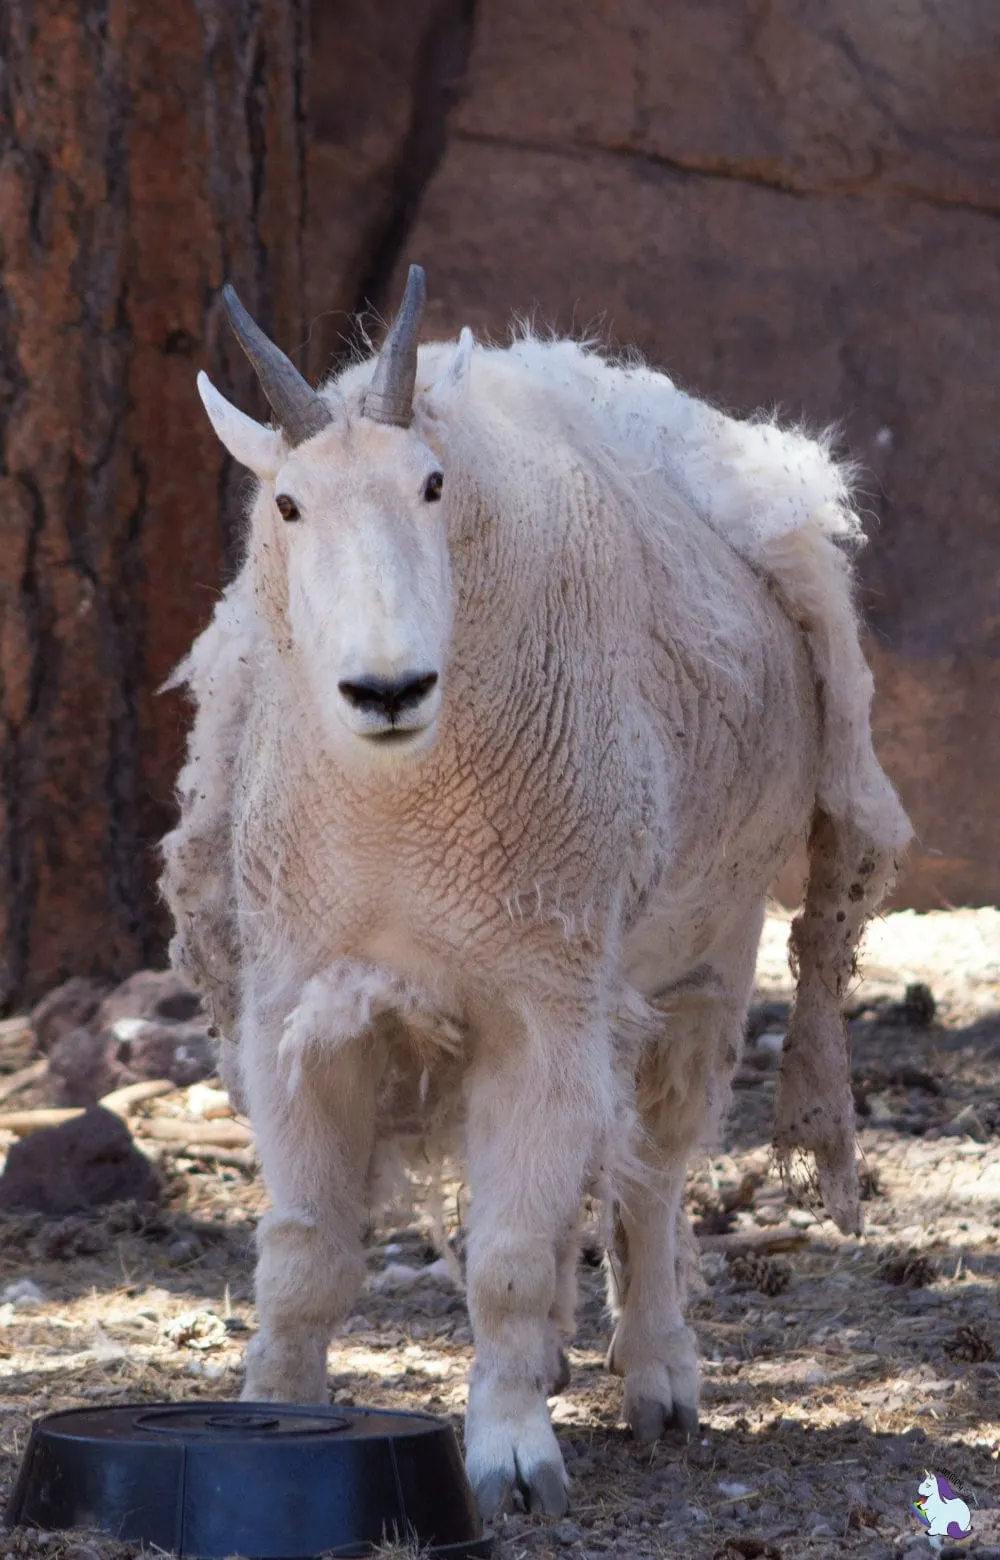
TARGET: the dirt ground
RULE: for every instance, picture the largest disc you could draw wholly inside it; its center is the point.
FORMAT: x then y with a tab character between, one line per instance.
835	1372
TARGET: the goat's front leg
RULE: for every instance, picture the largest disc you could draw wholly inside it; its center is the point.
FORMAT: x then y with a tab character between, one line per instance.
313	1112
540	1097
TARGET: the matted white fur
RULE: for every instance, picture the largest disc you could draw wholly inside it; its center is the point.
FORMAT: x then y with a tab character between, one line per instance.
521	906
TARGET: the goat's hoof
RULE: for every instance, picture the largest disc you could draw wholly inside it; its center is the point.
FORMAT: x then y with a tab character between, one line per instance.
561	1381
543	1489
647	1418
285	1369
546	1492
494	1494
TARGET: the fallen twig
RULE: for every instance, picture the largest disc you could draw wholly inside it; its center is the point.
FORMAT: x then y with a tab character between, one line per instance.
782	1237
21	1122
213	1153
222	1134
120	1101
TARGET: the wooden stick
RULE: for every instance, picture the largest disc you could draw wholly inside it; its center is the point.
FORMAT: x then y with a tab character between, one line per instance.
21	1122
24	1075
241	1158
175	1129
781	1237
120	1101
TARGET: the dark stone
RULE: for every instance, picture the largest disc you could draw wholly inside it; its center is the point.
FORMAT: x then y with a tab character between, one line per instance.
150	994
86	1163
147	1048
87	1063
69	1006
79	1070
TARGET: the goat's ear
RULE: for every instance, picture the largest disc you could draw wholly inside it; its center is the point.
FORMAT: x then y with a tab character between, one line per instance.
440	407
258	448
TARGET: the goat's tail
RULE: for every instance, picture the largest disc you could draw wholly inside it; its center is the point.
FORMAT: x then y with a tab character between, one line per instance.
849	872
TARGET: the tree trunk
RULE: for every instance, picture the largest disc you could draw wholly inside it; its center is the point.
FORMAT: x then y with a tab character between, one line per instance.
147	154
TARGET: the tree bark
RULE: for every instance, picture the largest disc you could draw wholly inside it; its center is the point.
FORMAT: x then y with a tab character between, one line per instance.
147	154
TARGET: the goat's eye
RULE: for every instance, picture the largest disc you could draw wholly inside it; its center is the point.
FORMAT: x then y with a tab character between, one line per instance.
287	508
433	486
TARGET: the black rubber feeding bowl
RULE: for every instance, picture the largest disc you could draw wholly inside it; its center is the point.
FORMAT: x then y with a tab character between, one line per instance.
272	1481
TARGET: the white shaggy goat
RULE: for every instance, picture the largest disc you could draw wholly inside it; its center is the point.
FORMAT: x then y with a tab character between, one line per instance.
536	674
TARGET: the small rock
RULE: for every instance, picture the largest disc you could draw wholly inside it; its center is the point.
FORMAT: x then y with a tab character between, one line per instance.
566	1533
80	1072
712	1265
917	1548
153	994
183	1250
969	1124
23	1294
344	1397
70	1006
85	1163
400	1275
771	1043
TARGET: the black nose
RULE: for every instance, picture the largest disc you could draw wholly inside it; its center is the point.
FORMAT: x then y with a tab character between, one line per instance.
380	696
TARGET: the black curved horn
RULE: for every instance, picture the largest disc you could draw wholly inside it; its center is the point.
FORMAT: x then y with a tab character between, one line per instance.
389	398
299	410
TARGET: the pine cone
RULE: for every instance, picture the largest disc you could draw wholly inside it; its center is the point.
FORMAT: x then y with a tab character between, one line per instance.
970	1343
912	1268
768	1274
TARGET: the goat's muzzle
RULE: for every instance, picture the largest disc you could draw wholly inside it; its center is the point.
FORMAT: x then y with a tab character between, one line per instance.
390	708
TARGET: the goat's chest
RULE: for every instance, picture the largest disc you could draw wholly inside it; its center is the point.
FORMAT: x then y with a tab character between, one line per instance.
460	862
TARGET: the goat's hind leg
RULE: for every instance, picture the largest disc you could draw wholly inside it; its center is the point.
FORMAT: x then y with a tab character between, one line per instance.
314	1126
683	1090
652	1347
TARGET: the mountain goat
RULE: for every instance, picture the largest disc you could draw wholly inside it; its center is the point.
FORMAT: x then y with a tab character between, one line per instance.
536	674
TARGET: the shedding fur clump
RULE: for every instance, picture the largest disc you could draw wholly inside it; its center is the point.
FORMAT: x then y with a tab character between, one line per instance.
848	875
198	877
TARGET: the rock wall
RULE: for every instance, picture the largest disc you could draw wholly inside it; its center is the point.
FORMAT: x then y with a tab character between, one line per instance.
787	203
